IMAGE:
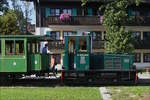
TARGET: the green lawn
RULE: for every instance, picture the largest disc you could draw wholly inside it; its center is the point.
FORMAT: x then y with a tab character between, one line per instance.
49	93
130	92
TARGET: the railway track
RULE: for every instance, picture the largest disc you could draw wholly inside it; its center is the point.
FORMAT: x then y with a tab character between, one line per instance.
57	82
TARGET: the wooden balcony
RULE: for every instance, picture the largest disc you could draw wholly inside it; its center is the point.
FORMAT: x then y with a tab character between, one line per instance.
94	20
56	45
74	20
138	21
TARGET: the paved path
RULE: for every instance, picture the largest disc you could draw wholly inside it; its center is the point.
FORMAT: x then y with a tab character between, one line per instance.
105	94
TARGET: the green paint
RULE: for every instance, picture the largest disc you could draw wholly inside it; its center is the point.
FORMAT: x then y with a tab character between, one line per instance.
13	63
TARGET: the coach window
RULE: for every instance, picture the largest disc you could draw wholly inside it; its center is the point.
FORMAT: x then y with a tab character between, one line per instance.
146	57
19	47
0	46
137	57
9	47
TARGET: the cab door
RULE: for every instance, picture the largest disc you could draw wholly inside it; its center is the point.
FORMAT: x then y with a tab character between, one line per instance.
83	53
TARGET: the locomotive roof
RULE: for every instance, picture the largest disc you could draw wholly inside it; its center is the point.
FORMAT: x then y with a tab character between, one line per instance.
30	37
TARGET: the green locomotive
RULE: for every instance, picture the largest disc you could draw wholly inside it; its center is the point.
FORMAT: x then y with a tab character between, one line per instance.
80	64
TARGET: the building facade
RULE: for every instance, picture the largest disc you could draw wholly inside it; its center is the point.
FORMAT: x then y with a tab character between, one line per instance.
57	18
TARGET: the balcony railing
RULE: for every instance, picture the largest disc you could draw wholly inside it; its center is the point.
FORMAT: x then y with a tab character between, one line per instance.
94	20
56	45
138	21
74	20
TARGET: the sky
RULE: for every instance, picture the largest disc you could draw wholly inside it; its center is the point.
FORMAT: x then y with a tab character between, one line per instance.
32	13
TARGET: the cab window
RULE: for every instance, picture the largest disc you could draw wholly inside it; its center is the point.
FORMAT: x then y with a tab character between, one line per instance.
9	47
19	47
83	44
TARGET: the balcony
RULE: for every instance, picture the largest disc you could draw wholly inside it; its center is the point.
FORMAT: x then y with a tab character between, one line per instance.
138	21
56	45
74	20
97	44
94	20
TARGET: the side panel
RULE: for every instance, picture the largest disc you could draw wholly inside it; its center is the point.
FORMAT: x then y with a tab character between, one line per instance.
127	62
65	55
35	62
45	61
13	64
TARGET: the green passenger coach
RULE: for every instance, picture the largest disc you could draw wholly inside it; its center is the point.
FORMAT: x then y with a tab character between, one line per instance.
13	55
21	54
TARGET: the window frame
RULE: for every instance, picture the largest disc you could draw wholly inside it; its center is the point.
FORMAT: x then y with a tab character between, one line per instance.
55	12
84	39
135	57
147	56
14	47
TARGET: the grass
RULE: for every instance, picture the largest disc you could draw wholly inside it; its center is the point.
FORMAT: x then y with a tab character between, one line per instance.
49	93
130	92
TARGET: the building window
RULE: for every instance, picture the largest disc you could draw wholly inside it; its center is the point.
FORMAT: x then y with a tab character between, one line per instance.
67	11
54	12
136	35
137	57
96	36
53	34
10	50
88	11
0	47
146	57
146	35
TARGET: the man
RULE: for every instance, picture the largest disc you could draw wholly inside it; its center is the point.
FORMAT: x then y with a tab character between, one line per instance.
44	50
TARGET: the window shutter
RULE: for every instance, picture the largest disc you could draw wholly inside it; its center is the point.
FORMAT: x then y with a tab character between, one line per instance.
47	12
74	12
90	12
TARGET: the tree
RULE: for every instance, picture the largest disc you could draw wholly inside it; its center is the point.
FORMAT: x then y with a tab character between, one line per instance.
21	20
117	39
8	23
3	5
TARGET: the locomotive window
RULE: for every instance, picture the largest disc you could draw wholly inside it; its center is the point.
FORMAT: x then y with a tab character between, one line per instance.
19	47
83	44
0	46
9	47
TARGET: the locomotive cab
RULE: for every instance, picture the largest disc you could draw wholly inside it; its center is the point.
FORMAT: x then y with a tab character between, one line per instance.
77	52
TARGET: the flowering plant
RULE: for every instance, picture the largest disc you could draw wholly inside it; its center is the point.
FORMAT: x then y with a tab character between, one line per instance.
101	19
64	17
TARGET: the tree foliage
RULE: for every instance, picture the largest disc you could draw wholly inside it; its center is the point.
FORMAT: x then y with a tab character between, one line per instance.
115	12
3	5
8	23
